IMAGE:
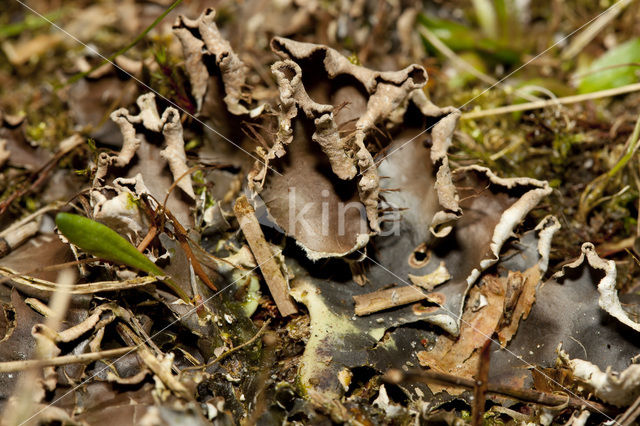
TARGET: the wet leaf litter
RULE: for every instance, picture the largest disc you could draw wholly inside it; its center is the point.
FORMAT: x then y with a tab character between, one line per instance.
263	213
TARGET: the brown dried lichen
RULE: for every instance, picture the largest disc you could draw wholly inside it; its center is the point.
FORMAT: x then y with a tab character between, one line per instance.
170	126
385	93
208	41
346	110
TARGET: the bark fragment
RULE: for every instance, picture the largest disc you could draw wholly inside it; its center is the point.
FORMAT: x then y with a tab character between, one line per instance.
480	320
386	299
264	257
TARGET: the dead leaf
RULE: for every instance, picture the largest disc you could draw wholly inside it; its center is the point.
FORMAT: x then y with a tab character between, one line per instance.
20	344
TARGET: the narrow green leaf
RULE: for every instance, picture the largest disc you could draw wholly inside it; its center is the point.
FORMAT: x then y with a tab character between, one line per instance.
461	38
105	243
30	22
487	17
616	68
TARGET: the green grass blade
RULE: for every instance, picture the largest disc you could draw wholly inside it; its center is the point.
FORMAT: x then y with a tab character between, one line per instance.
103	242
30	22
616	68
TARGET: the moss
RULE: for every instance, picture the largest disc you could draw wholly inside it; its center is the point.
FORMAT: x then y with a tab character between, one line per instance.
240	331
491	419
193	144
562	146
36	132
170	81
555	183
31	204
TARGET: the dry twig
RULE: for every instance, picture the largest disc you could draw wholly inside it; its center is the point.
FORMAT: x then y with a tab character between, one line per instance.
11	366
264	257
88	288
551	102
385	299
482	382
524	395
631	414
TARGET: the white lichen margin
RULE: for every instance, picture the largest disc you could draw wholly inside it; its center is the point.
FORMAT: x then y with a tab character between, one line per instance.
510	218
619	389
546	229
4	152
171	127
121	212
174	153
608	299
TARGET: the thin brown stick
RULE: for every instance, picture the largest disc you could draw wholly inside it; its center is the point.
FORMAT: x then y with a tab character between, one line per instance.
175	183
524	395
153	231
609	248
182	237
385	299
12	366
631	414
482	382
264	257
212	258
